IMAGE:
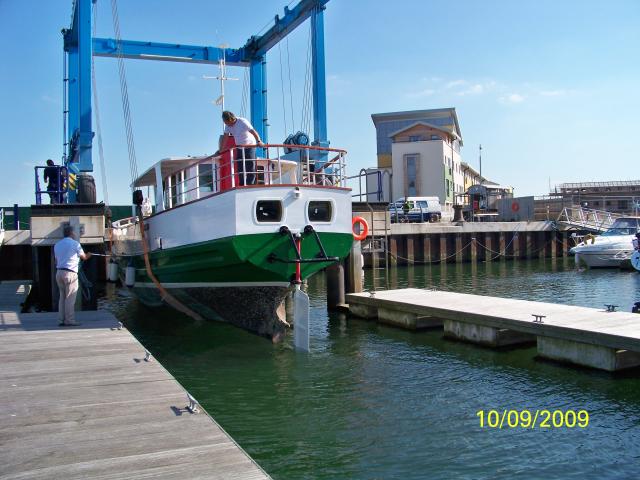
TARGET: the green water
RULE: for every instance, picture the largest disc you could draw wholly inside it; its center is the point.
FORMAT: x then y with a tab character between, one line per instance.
371	402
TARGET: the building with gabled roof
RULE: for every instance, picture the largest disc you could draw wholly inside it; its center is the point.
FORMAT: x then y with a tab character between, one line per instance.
388	124
422	150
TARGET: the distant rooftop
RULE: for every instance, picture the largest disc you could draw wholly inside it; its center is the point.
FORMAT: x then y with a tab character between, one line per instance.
619	183
445	119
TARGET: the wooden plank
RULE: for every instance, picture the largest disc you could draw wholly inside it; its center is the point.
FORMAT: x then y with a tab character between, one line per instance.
83	403
587	325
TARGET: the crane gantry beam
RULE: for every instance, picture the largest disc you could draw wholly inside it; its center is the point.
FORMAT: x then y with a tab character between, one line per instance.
80	47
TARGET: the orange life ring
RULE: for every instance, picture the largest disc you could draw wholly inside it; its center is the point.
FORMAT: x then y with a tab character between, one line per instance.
515	206
365	228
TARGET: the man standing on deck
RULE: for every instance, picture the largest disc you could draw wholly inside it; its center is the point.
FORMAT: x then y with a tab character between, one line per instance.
244	134
51	176
68	253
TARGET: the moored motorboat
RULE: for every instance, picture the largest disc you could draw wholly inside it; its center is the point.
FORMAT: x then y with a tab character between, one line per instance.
611	248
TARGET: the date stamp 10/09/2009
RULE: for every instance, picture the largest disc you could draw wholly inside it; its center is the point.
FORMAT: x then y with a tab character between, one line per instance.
539	418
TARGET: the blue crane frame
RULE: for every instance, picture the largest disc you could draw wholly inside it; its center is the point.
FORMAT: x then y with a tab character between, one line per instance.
79	46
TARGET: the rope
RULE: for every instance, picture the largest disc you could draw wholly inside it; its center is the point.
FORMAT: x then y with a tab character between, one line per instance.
133	163
133	166
85	284
96	109
166	296
425	262
498	254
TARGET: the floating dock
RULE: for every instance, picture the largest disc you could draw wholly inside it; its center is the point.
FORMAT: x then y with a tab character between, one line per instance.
82	402
590	337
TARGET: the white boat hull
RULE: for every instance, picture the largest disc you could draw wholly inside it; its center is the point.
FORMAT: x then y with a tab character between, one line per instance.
603	258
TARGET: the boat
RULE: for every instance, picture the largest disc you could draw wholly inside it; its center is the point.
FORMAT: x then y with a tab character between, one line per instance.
611	248
218	245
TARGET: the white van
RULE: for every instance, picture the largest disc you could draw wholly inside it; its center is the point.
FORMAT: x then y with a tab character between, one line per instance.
423	209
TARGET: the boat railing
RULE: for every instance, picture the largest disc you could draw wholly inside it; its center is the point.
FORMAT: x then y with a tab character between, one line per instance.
587	218
274	164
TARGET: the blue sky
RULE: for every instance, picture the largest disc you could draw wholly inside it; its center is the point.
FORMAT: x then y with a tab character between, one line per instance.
549	88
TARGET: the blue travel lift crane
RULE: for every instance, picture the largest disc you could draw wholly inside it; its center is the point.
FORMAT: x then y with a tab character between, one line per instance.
79	47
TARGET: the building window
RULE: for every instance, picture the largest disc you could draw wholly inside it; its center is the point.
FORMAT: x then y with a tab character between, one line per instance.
411	175
435	137
623	204
415	138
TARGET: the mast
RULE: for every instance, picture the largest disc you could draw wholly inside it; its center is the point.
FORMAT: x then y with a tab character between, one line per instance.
222	77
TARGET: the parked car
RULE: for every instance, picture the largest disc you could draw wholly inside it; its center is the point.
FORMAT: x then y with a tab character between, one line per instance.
421	209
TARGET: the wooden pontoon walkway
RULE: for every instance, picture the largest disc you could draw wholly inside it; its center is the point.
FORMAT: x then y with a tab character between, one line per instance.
82	402
585	336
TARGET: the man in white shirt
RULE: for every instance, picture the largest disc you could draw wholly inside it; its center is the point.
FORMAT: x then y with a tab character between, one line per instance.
68	254
244	134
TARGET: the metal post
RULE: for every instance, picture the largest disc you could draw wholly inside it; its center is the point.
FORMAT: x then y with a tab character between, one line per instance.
16	217
85	135
319	86
335	286
258	87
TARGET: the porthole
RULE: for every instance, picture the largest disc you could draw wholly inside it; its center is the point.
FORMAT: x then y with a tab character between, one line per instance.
320	211
269	210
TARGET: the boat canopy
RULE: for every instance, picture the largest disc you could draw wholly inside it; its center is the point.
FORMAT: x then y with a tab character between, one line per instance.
168	166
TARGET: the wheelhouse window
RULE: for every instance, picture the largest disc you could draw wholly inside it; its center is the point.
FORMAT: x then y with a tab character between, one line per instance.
205	177
320	211
269	210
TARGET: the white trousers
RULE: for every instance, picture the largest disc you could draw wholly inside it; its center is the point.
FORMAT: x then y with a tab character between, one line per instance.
68	287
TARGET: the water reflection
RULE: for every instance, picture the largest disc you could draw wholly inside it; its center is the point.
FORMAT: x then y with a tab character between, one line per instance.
372	401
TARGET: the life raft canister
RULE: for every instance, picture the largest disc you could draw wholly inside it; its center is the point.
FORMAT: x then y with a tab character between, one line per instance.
364	226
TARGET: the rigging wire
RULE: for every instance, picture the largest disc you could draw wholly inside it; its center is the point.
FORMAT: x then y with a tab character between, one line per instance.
284	108
245	93
307	106
133	163
293	119
96	109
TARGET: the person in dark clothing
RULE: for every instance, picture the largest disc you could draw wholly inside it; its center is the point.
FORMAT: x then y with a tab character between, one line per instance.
51	177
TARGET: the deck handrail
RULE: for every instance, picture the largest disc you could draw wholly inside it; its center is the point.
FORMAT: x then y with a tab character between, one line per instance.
308	171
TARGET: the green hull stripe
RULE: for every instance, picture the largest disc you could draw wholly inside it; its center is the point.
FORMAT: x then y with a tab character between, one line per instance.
243	258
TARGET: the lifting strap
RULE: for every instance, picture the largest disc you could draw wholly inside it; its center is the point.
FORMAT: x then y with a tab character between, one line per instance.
164	294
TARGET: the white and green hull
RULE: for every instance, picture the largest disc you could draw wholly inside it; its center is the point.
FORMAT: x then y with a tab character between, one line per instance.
216	258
